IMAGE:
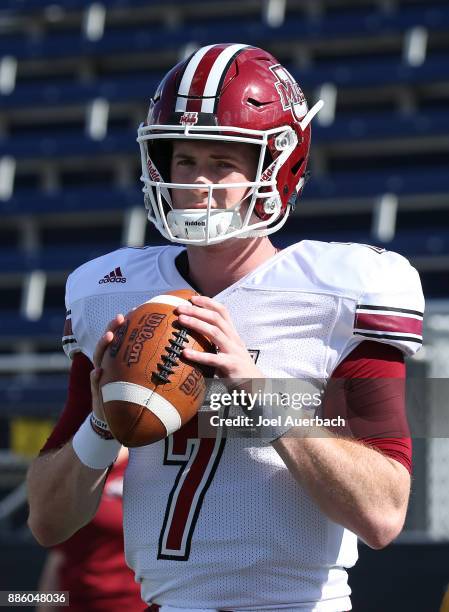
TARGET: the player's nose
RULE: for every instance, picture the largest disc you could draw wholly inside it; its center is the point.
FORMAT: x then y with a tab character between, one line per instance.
200	198
201	173
202	181
202	178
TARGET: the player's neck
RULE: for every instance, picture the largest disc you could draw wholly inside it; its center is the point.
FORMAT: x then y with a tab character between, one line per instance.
214	268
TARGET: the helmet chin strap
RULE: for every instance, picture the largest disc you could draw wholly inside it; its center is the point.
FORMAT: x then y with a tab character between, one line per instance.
206	224
197	223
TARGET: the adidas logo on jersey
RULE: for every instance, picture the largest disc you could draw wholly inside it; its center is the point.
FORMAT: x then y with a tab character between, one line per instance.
115	276
195	223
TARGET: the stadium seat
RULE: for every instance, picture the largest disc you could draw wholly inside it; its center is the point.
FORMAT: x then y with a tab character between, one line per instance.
367	22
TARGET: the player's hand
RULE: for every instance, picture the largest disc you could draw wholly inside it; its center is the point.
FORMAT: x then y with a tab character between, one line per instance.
212	319
95	375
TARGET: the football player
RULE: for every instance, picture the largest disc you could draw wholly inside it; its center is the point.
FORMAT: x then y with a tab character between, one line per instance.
237	522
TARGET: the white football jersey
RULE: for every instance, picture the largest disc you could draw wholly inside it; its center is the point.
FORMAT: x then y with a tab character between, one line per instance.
221	523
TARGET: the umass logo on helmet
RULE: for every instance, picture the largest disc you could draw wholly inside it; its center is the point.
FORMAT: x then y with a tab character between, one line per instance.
290	92
189	118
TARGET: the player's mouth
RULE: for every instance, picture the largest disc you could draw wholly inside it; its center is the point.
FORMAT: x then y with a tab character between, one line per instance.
200	205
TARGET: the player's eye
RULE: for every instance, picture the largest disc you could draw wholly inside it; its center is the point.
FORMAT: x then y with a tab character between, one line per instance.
184	161
225	164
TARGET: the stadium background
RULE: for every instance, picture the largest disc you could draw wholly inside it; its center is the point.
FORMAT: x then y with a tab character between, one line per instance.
75	81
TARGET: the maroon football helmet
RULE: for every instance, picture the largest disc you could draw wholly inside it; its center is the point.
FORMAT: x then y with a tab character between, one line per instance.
232	93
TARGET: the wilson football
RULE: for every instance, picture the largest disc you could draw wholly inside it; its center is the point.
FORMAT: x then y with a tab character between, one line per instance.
149	390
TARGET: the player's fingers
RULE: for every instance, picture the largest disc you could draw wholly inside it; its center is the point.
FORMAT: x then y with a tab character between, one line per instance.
204	314
208	359
206	302
115	323
106	339
97	403
95	376
94	382
214	333
102	345
223	364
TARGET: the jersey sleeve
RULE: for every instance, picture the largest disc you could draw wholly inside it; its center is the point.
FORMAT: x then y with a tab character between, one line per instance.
78	403
391	306
367	389
69	341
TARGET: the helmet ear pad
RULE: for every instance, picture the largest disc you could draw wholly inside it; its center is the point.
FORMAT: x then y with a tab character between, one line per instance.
283	180
160	153
288	180
259	207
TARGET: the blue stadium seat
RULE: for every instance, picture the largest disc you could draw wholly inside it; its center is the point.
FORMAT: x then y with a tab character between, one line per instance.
371	71
334	26
48	327
51	258
72	199
400	181
383	126
51	92
62	143
17	6
40	396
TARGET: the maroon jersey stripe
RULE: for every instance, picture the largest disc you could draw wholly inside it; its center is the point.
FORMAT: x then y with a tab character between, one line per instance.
391	323
67	331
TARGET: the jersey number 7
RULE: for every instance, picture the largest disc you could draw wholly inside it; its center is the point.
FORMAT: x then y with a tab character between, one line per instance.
198	459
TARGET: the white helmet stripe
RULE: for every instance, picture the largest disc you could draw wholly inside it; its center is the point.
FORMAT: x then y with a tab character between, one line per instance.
214	78
187	77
